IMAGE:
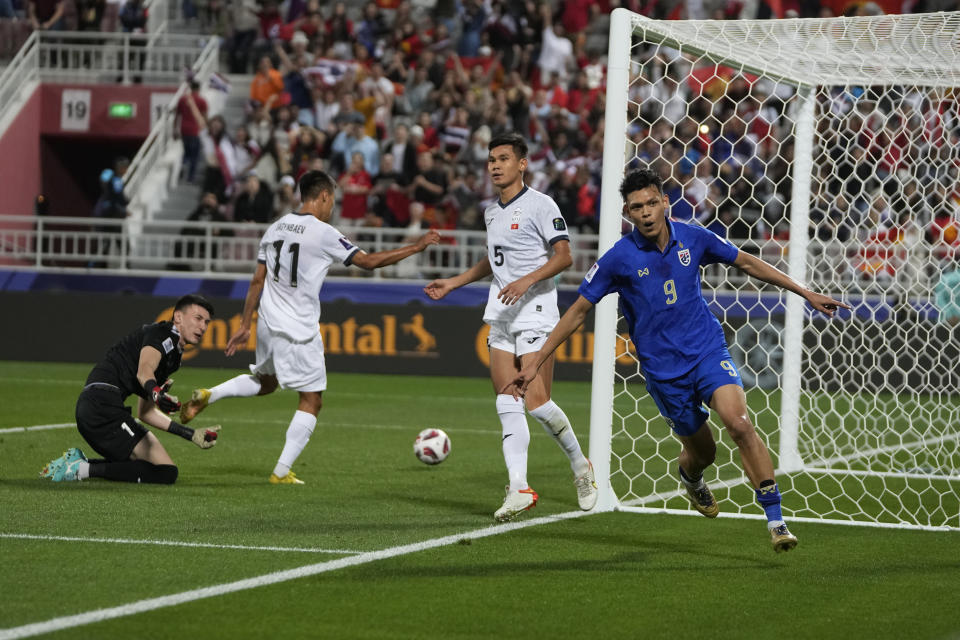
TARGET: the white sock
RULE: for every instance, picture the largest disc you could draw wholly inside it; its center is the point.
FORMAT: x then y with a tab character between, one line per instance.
298	435
556	423
243	386
83	471
516	439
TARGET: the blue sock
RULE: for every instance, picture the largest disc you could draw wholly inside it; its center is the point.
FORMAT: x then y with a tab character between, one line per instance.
768	495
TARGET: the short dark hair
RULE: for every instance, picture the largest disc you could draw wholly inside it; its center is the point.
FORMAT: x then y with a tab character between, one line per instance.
515	140
313	183
193	299
641	179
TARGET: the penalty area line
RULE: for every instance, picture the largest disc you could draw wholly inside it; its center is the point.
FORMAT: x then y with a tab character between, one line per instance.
151	604
173	543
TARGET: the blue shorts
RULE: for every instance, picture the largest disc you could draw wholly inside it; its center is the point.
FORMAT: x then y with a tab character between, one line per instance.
681	400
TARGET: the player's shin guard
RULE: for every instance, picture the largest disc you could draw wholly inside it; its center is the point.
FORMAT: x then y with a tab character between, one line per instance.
298	434
768	495
134	471
516	439
243	386
556	423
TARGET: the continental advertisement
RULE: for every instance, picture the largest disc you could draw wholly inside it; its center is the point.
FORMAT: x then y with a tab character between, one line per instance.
905	351
362	338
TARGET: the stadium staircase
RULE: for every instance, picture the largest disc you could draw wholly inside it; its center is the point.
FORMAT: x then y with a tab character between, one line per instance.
182	197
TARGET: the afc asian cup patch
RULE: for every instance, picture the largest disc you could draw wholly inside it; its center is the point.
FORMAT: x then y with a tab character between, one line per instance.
559	224
591	272
684	255
167	345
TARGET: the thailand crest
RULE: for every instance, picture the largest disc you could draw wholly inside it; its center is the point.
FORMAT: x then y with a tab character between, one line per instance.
684	255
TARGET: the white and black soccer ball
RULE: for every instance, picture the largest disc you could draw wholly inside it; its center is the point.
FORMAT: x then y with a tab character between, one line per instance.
432	446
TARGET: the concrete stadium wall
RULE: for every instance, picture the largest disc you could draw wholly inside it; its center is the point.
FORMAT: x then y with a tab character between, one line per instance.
20	159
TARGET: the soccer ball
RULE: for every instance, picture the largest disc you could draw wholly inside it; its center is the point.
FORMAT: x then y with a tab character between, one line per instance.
432	446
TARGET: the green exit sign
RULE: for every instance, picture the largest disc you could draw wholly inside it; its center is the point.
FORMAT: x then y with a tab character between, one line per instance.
122	110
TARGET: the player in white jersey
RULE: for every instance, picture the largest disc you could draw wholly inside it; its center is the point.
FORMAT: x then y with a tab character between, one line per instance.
295	254
527	245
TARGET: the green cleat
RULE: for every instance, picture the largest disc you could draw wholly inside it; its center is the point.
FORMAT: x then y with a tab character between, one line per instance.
55	466
782	539
197	403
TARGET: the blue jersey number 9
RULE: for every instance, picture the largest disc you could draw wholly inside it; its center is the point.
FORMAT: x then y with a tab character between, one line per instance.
728	366
670	290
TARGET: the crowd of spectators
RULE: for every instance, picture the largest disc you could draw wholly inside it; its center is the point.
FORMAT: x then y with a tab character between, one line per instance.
399	103
397	99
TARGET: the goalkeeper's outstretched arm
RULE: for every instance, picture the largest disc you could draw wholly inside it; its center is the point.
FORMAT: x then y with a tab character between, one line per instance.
569	323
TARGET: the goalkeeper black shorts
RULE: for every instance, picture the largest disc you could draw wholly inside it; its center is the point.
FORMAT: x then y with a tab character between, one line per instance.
106	424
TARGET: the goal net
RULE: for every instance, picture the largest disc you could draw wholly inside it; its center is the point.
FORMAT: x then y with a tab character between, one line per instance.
829	148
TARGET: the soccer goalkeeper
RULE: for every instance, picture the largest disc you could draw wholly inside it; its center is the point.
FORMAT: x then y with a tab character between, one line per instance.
139	364
680	344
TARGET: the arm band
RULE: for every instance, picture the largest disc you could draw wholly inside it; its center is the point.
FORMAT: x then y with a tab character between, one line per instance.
178	429
148	387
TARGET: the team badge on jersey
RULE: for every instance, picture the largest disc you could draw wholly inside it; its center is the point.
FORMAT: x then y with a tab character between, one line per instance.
684	255
515	220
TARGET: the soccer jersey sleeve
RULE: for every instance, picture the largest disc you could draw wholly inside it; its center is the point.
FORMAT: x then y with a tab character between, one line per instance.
715	248
600	279
159	337
262	251
551	222
337	246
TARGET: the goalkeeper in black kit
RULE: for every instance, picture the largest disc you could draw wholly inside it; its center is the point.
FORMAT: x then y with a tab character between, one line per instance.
139	364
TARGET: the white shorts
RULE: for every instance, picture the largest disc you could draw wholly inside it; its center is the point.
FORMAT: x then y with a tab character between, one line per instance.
518	342
297	365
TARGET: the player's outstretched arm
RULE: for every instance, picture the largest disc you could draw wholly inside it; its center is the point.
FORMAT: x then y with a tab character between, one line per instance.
148	413
757	268
572	319
442	286
560	260
371	261
250	305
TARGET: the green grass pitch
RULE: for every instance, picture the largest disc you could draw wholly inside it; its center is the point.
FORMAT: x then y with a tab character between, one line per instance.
611	575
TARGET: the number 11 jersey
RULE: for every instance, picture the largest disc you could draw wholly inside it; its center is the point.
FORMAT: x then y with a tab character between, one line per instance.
297	251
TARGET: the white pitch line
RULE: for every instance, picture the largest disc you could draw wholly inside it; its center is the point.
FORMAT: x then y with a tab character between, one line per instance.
151	604
348	425
39	427
174	543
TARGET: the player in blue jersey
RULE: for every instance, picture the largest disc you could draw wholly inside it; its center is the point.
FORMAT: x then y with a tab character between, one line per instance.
680	344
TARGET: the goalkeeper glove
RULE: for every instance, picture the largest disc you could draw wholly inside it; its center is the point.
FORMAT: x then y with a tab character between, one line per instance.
164	401
206	438
203	438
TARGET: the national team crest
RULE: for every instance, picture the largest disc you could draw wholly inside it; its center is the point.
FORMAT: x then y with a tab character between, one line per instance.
515	220
684	255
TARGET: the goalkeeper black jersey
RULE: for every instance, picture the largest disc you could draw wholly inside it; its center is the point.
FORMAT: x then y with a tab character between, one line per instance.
119	366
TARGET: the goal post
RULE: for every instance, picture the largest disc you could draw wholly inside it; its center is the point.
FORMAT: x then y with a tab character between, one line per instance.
830	148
